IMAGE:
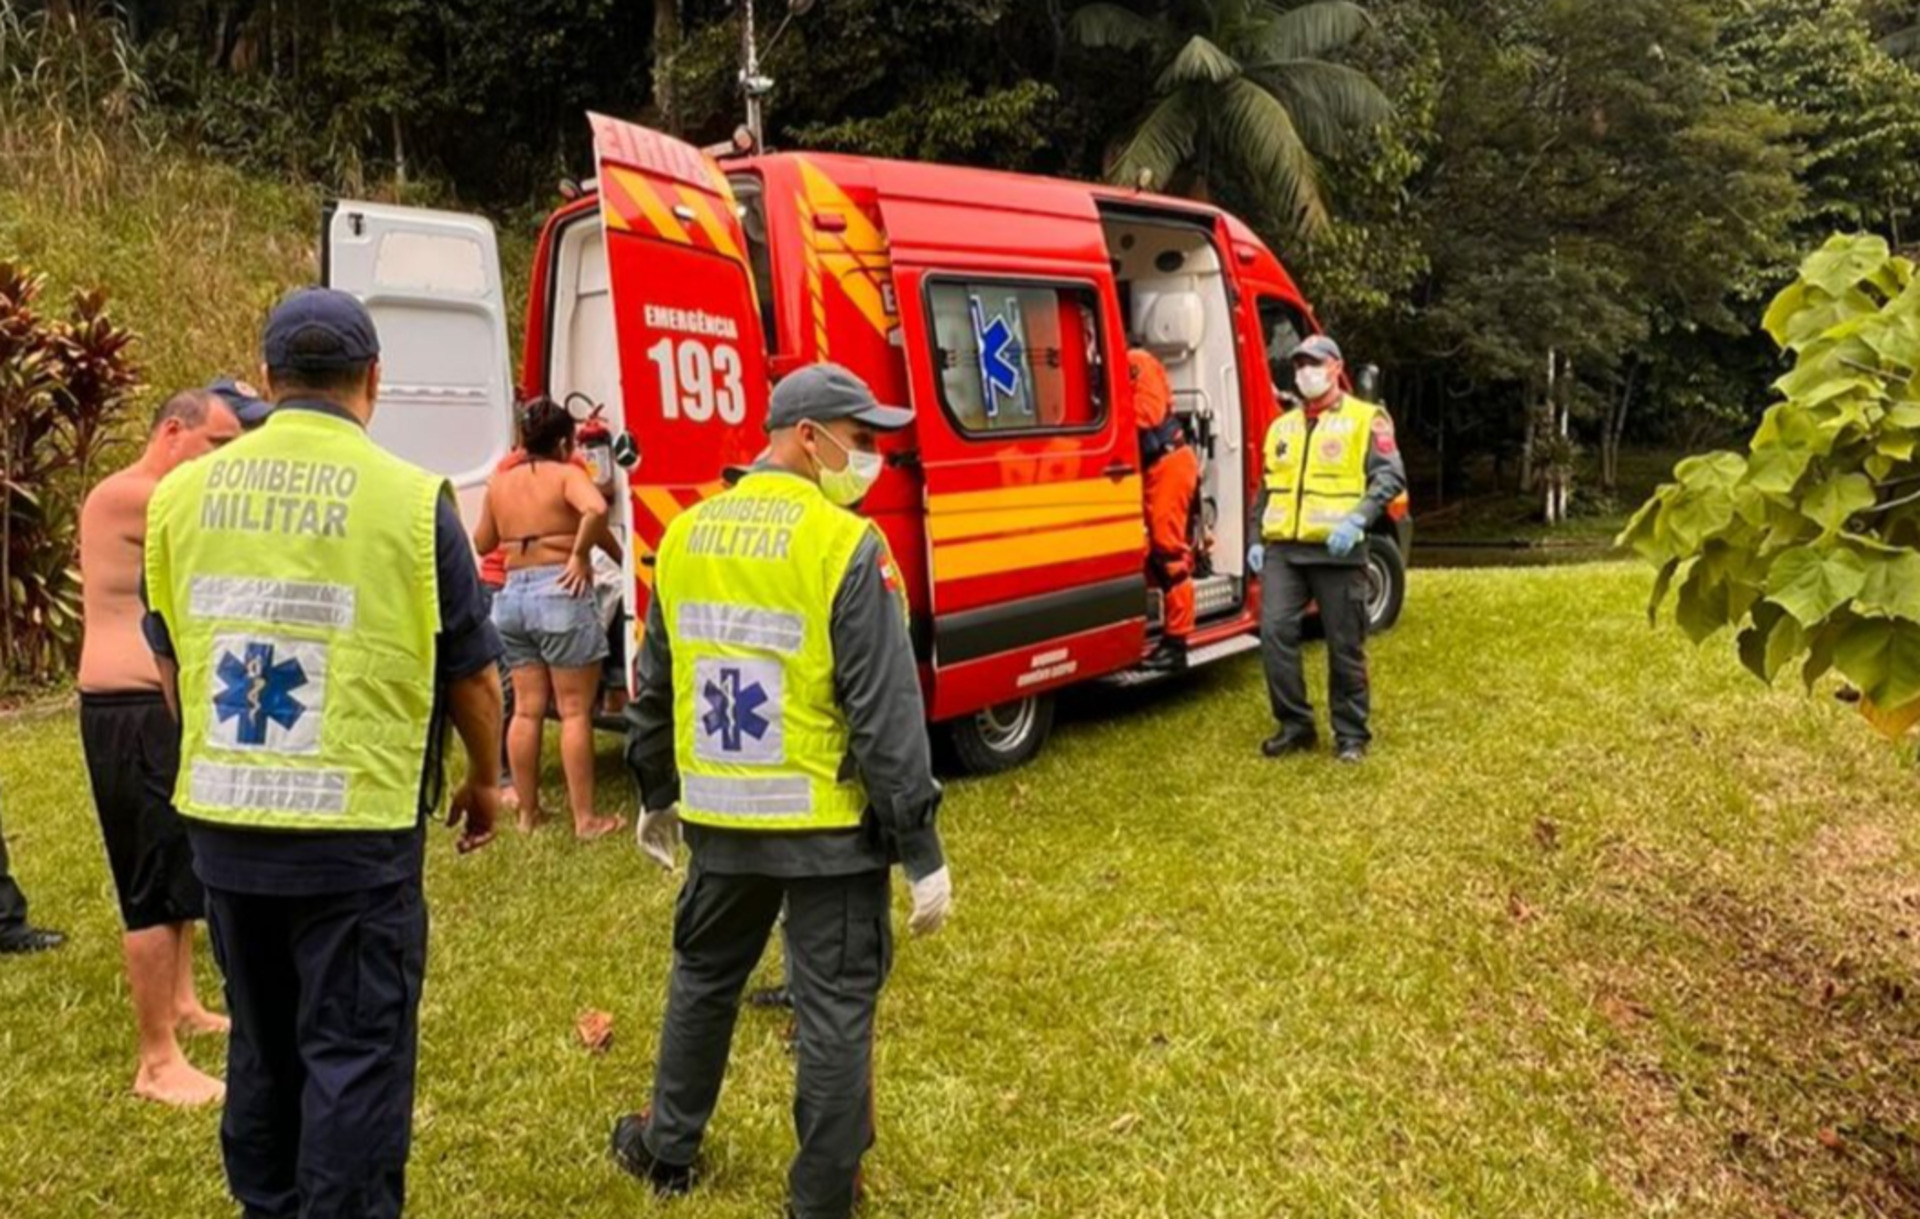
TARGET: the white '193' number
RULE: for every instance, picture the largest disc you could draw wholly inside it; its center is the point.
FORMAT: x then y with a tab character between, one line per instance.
697	382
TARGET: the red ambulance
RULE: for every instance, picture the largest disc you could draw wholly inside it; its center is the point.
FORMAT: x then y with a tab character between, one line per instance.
674	290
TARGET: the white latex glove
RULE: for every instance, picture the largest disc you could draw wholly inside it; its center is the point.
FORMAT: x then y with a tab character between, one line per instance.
659	836
932	900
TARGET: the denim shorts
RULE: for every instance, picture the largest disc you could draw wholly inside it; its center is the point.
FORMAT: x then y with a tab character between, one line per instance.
540	624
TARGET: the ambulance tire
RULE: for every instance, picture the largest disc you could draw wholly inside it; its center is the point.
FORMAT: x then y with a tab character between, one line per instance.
1004	737
1386	583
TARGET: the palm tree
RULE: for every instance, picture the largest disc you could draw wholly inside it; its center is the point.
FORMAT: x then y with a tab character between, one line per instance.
1241	83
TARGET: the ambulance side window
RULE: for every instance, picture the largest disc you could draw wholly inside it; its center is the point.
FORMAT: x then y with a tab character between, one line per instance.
751	199
1283	326
1018	357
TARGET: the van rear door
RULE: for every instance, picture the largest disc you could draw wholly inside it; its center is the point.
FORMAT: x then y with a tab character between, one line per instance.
1016	362
693	362
431	280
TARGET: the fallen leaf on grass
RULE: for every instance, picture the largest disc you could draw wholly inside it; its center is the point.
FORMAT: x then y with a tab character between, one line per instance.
1547	834
1125	1123
1521	912
1830	1138
1623	1013
595	1030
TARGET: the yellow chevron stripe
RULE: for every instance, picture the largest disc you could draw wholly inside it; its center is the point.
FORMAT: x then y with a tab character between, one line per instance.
969	559
956	526
859	258
1087	493
816	293
710	224
663	221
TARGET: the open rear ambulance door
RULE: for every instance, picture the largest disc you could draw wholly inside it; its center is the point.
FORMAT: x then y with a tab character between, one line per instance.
693	362
431	280
1017	366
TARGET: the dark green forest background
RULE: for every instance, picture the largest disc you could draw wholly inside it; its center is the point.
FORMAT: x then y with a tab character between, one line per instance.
1552	223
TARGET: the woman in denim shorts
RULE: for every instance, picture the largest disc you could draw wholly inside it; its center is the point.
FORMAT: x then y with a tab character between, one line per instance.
549	516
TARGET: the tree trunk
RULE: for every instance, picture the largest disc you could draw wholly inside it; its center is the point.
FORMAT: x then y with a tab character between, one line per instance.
666	41
1615	429
399	153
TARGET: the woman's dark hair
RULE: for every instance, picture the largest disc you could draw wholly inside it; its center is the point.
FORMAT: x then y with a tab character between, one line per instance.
545	428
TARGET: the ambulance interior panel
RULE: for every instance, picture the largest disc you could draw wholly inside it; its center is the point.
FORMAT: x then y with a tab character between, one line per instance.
583	373
1175	297
431	281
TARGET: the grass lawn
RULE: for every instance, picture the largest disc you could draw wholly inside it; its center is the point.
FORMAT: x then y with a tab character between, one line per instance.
1604	928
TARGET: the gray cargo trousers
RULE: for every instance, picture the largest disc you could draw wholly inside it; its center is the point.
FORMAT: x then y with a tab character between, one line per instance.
1341	591
840	948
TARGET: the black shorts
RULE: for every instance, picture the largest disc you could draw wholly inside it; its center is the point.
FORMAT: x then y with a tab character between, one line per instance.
133	755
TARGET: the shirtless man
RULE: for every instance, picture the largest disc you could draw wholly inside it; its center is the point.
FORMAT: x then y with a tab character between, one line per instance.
133	754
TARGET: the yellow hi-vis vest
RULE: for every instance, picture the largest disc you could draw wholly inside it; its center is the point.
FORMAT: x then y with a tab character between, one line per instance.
295	571
1316	477
746	582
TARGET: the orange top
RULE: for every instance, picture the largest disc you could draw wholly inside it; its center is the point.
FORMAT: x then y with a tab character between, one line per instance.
1152	395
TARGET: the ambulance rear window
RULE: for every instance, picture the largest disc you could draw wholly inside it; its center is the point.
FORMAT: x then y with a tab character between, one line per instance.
1018	357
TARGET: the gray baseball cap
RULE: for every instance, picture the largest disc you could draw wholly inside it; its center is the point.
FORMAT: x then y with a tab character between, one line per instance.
824	392
1318	348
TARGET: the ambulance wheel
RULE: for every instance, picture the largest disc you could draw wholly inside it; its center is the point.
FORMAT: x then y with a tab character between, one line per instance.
1386	583
1003	737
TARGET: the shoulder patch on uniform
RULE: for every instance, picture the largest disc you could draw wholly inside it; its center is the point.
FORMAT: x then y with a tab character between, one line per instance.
1384	441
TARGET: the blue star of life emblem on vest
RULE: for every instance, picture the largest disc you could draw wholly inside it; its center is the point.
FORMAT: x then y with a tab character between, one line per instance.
733	713
258	691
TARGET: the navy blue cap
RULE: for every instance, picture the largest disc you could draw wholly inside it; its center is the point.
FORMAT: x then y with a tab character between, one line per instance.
316	329
243	399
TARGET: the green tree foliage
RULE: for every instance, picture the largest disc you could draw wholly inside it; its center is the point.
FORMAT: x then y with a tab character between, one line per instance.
1808	544
1854	107
1242	88
64	383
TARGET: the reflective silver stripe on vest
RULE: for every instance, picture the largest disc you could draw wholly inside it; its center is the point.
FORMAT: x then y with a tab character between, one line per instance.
268	787
708	622
282	602
748	797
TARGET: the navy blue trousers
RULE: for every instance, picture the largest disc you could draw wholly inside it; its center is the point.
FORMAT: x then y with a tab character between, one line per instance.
325	994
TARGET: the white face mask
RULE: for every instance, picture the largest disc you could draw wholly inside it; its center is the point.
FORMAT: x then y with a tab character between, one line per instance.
1313	381
849	484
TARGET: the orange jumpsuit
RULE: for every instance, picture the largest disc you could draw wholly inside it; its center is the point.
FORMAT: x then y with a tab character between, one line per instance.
1171	482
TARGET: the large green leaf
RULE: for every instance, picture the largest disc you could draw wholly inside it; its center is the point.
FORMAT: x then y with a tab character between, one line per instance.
1661	584
1331	104
1256	130
1892	587
1199	62
1111	25
1692	519
1784	642
1701	609
1844	262
1162	143
1310	30
1882	657
1777	471
1830	504
1810	583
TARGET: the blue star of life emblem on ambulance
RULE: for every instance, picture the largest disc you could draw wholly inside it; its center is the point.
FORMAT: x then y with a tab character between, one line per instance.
733	712
258	691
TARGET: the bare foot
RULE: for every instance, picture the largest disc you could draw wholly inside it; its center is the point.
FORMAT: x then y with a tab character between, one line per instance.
199	1022
509	798
530	820
598	827
178	1083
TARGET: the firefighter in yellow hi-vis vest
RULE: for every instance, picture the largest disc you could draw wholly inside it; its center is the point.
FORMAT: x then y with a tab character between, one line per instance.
780	722
316	611
1331	467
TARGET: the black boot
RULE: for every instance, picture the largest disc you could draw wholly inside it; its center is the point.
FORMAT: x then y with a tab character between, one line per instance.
1285	743
630	1152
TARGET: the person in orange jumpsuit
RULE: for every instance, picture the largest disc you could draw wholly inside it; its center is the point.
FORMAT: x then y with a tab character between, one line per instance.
1172	473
